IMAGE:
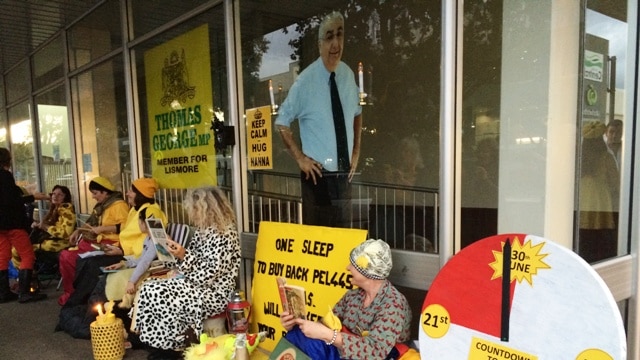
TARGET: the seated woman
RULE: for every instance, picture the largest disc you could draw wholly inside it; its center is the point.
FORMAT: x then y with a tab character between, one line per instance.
77	314
208	272
130	240
109	212
137	266
375	316
55	228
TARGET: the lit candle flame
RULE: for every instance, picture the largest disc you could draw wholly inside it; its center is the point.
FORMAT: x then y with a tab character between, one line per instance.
360	77
273	103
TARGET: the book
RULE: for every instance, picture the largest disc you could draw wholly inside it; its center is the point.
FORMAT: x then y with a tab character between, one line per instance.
87	254
285	350
159	237
157	267
292	298
107	271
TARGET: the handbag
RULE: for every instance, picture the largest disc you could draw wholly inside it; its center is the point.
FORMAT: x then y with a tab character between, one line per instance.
37	236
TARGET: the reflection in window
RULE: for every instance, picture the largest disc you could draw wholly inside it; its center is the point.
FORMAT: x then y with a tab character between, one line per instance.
481	122
599	185
602	122
101	127
47	63
95	35
55	142
17	82
22	150
3	131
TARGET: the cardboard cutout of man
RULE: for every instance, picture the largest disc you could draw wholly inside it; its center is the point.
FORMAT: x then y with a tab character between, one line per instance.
326	162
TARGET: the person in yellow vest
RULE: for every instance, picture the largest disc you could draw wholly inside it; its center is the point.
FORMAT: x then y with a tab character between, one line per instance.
130	240
102	227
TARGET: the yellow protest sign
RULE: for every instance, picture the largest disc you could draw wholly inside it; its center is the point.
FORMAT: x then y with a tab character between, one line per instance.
313	257
180	109
259	138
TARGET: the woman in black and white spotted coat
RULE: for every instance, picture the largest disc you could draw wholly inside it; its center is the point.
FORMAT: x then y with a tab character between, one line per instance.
168	308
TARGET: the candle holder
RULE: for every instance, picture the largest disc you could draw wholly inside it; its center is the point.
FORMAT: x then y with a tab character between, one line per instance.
363	96
274	109
107	340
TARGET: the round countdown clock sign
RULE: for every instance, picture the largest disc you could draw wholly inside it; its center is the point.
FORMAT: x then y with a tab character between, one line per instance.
517	296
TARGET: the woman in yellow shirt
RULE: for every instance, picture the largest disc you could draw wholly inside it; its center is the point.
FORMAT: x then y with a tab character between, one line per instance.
102	226
130	240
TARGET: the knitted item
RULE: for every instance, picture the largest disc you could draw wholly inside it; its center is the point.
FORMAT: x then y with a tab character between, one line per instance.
101	184
372	259
146	186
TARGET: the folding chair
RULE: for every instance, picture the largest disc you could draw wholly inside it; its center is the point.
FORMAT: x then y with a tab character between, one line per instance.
179	233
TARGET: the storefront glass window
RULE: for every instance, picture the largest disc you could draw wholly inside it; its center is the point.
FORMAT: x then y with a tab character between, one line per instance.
182	81
17	82
3	130
394	192
101	127
55	144
603	123
22	147
95	35
3	117
481	119
528	114
163	11
47	64
2	94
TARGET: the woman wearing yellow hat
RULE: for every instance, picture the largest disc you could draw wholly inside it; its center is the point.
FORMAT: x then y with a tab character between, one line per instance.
130	240
102	226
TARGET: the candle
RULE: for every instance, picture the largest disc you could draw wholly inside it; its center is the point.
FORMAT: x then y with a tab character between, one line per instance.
273	103
106	334
107	317
360	77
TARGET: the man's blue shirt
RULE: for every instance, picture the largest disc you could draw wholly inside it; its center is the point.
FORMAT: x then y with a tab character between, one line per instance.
309	101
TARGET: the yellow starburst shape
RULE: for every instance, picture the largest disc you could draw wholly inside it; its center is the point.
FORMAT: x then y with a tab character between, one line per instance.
526	260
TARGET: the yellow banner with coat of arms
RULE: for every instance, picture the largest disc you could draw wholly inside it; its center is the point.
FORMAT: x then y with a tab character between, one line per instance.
180	108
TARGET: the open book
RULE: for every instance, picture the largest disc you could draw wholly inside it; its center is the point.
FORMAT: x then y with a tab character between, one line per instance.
285	350
292	298
159	237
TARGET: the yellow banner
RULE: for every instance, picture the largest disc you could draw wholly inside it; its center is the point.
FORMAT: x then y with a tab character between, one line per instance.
180	105
483	350
313	257
259	138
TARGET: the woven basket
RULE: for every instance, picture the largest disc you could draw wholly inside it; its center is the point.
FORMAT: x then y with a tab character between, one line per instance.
107	340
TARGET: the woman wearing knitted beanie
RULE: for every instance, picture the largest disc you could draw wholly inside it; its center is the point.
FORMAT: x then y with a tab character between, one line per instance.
372	321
